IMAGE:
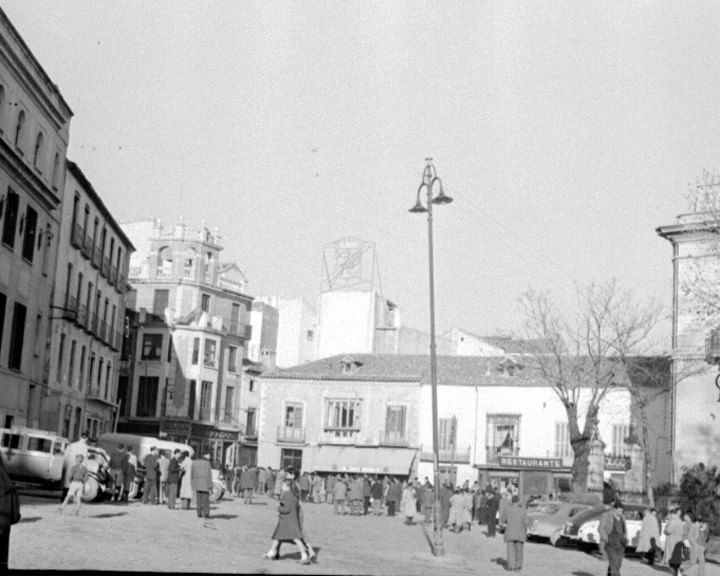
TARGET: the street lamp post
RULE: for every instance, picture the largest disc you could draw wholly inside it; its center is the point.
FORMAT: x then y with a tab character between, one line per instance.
429	179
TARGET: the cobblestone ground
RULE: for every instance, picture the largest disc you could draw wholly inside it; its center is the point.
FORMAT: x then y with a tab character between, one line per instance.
134	537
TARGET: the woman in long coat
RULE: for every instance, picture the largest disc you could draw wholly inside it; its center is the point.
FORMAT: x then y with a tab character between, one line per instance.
649	531
186	491
674	532
457	511
409	503
288	526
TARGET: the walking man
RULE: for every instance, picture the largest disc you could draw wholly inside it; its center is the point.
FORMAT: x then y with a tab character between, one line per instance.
74	449
201	481
150	491
118	463
516	522
173	479
616	540
248	480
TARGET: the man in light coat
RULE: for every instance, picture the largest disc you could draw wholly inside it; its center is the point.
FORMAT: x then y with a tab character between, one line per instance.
202	484
604	527
516	523
74	449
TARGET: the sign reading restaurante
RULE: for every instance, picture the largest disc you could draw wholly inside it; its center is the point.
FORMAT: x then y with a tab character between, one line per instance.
540	463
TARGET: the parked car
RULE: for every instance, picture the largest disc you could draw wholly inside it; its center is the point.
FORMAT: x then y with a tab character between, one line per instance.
98	465
33	456
547	516
141	448
582	529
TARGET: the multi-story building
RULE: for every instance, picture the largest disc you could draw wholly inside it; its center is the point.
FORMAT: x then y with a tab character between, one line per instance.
264	319
34	133
695	426
297	331
190	333
89	314
373	413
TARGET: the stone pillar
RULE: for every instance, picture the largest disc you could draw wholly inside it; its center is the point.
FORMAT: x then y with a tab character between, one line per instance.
596	468
634	475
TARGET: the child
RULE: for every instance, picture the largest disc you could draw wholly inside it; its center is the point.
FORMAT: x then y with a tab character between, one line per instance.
288	526
78	476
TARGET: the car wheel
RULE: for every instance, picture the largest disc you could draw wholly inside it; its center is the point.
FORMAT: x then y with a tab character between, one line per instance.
217	492
92	489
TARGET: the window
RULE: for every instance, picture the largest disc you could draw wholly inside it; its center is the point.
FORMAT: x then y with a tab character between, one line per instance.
209	355
447	433
152	346
291	458
395	423
122	393
99	377
38	151
61	355
11	441
343	416
81	373
235	318
11	216
37	444
91	368
56	170
205	303
563	449
78	294
503	434
619	433
205	400
293	415
17	337
78	423
196	351
19	127
252	385
108	375
191	400
2	109
38	335
170	349
147	396
28	249
229	403
46	245
67	416
310	335
71	363
232	359
3	302
160	302
250	422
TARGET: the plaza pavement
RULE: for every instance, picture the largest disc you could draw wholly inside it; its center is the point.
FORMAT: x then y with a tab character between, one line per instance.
138	537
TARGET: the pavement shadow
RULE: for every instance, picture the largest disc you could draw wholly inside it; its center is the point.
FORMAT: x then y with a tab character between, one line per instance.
29	519
109	515
223	516
581	573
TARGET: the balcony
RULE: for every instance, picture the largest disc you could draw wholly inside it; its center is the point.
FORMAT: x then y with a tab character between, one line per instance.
97	257
87	249
392	438
78	236
81	318
69	308
237	328
250	433
188	273
492	453
458	456
120	284
291	435
112	278
342	437
162	272
102	330
105	267
93	324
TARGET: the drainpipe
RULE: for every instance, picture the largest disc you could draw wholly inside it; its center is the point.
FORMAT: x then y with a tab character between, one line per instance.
477	402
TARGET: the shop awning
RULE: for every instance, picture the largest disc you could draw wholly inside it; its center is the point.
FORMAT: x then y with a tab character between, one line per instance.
376	460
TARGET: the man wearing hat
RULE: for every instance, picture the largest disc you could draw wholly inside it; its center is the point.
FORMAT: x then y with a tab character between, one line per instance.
616	540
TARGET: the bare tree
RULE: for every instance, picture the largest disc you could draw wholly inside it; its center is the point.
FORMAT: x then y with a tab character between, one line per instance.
582	357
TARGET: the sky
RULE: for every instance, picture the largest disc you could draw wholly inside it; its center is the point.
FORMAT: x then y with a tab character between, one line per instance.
565	132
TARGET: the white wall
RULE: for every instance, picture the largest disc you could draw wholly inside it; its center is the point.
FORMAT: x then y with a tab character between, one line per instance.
346	323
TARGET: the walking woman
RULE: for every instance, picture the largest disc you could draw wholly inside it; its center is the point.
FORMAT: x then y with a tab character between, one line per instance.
288	526
9	515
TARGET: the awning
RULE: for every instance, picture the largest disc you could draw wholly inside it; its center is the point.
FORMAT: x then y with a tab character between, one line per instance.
376	460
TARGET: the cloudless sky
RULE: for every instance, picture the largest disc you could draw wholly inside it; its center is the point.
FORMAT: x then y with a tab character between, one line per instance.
566	133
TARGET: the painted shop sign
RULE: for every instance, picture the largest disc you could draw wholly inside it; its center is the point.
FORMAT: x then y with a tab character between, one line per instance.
537	463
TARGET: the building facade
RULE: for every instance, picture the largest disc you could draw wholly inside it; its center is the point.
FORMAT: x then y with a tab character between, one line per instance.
190	333
297	331
695	428
265	320
496	423
34	134
89	313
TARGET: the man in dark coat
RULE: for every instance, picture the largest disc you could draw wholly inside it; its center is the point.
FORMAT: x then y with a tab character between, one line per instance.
248	480
202	484
173	479
392	497
376	493
445	495
152	469
492	508
516	523
617	540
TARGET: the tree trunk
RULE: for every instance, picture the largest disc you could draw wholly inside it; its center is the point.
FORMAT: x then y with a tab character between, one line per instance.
648	487
581	463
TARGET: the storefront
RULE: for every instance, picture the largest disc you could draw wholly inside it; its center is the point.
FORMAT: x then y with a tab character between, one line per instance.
526	476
